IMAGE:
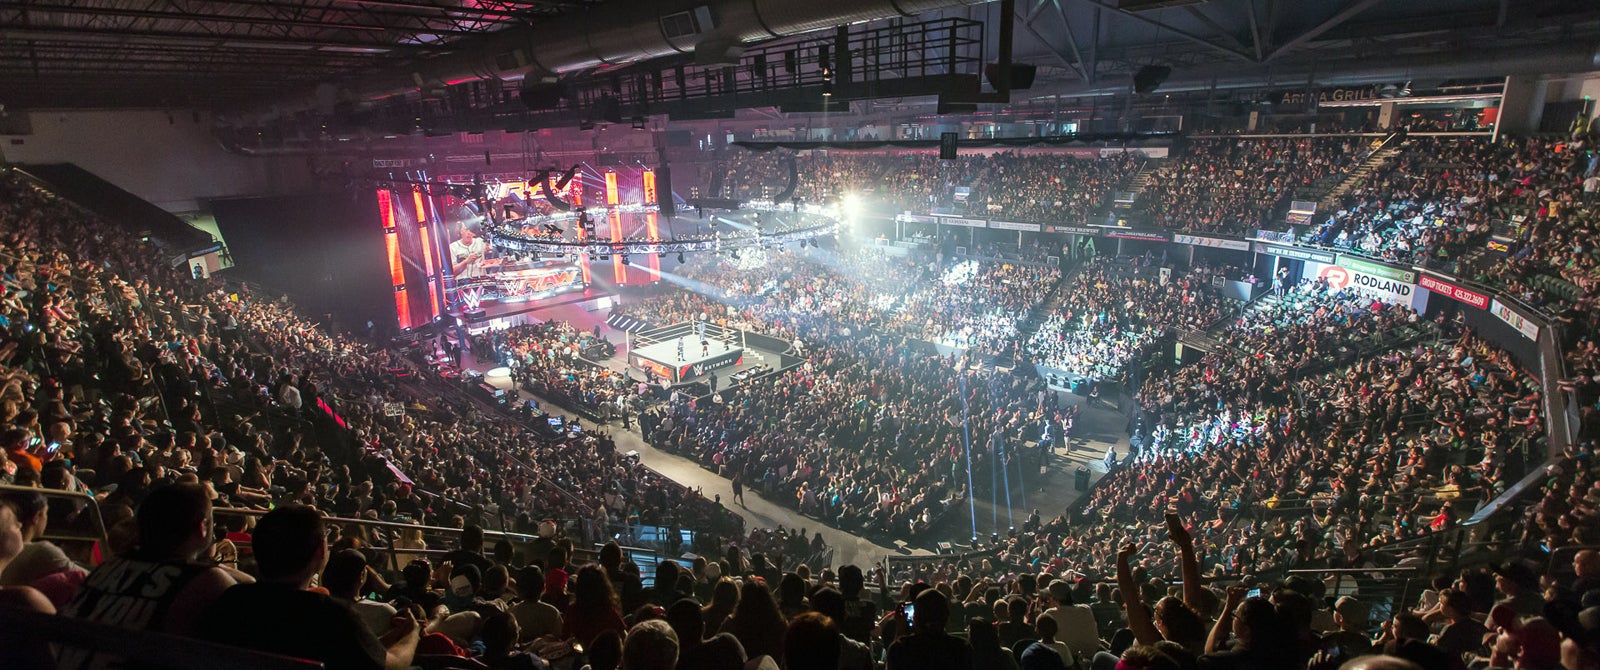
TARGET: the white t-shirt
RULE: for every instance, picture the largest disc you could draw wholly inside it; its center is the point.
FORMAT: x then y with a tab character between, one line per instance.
1076	628
459	252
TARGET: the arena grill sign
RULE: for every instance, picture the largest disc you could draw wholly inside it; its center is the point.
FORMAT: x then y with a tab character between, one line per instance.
1302	97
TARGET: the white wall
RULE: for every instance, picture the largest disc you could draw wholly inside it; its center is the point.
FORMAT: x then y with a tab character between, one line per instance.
167	159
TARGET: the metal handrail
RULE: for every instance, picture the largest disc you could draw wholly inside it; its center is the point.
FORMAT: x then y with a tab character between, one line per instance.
161	649
384	524
91	505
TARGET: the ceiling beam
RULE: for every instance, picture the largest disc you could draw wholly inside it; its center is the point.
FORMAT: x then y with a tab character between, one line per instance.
1085	69
1215	27
1073	60
223	19
1350	10
1255	30
481	11
49	32
1241	55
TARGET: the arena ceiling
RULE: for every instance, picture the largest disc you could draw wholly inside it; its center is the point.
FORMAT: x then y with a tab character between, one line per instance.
229	54
221	53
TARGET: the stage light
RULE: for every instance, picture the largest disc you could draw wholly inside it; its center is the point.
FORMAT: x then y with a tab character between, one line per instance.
680	257
850	206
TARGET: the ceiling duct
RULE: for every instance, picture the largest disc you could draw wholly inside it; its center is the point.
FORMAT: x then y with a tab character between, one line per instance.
1553	59
624	32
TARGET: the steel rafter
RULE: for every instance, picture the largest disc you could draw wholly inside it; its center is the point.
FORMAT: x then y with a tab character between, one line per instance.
51	31
1350	10
1176	31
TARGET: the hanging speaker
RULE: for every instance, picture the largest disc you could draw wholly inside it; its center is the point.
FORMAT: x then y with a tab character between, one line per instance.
1150	77
947	146
537	95
1021	75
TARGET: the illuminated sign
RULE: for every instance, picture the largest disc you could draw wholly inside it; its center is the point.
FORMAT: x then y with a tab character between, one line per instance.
1450	290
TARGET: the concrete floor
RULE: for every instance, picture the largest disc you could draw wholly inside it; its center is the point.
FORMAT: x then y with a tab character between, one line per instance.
1098	426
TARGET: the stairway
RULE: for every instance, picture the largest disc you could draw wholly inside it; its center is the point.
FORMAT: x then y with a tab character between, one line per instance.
1030	325
1138	183
1359	175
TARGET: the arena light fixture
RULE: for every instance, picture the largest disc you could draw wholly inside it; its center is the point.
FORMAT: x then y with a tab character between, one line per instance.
850	206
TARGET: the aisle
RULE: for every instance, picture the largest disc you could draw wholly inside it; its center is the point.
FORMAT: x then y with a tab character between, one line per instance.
1098	427
757	512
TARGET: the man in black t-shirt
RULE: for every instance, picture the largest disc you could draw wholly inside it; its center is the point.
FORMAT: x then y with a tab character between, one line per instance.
163	585
721	652
929	647
278	615
860	615
471	550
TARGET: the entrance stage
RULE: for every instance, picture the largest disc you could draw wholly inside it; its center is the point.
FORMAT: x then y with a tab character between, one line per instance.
676	353
591	298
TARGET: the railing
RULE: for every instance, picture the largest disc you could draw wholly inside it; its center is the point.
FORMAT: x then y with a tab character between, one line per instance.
83	523
72	637
440	535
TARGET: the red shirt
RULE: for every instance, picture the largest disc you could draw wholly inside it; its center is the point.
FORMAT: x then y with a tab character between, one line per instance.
24	459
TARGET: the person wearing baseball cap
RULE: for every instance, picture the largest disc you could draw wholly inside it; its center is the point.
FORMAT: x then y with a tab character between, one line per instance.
1521	588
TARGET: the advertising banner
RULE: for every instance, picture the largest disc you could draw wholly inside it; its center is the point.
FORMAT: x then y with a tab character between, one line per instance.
1212	242
1450	290
1406	275
915	218
1377	286
969	223
1012	225
1147	235
1296	253
1074	230
1275	236
1510	315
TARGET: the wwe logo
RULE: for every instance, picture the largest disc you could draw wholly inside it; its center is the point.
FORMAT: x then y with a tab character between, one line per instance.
472	297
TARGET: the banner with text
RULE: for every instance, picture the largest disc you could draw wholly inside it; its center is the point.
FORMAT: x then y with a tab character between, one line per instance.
1074	230
1378	286
1516	319
1295	253
1275	236
969	223
1012	225
1146	235
1212	242
1406	275
1450	290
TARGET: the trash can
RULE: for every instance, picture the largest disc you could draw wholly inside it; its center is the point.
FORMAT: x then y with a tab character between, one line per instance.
1081	479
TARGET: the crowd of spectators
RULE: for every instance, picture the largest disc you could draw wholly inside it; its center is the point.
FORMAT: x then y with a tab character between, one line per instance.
1011	186
1324	427
1435	199
866	435
1111	311
545	358
1230	185
974	305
